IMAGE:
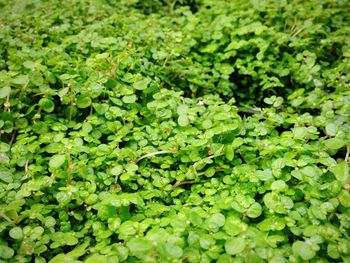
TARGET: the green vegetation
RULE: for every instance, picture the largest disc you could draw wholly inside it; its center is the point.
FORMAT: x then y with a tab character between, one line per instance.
174	131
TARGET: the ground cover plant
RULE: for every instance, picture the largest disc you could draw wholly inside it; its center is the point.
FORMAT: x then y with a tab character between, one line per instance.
174	131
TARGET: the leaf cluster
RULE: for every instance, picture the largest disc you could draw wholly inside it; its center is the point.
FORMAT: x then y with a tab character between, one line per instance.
174	131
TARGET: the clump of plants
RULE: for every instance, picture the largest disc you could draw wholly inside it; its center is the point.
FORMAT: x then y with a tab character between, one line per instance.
174	131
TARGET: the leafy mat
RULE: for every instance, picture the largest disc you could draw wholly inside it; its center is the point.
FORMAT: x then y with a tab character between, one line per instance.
174	131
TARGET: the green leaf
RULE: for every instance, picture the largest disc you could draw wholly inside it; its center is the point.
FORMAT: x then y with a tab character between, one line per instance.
117	170
21	123
341	172
303	249
16	233
131	167
195	218
114	223
278	185
264	175
62	92
70	239
6	177
207	124
63	198
29	64
226	69
141	84
6	252
344	198
210	172
47	105
334	143
96	259
64	258
139	246
332	251
5	92
8	126
206	241
127	229
83	101
182	109
129	98
331	129
254	210
57	160
20	80
237	142
183	120
269	101
300	132
215	221
272	223
87	127
210	48
235	245
173	251
229	152
310	171
278	259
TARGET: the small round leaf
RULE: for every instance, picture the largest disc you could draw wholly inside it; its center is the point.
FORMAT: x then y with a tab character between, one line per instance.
83	101
16	233
21	123
129	99
5	91
139	245
57	160
254	210
117	170
303	250
173	251
6	252
47	105
235	246
142	84
183	120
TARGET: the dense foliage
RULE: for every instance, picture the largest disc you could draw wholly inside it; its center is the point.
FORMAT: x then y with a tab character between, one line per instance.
174	131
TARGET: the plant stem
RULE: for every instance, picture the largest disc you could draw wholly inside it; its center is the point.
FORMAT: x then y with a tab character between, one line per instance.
6	218
250	111
69	168
217	170
151	154
13	137
167	58
198	162
178	183
26	169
